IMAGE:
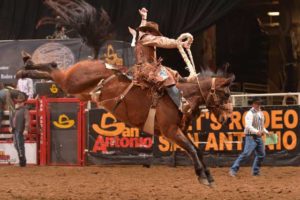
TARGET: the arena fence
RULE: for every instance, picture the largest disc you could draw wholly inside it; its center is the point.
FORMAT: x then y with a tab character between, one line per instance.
65	132
8	154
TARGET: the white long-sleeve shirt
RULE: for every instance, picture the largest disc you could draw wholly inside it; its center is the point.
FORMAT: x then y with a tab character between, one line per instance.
254	122
26	85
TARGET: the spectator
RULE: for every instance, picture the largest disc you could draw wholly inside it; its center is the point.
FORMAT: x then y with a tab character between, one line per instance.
26	85
5	101
20	123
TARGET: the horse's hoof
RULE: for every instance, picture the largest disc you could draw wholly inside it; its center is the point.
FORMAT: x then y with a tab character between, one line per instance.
146	165
203	181
212	184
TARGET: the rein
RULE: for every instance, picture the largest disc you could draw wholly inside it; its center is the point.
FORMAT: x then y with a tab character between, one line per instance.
211	93
97	92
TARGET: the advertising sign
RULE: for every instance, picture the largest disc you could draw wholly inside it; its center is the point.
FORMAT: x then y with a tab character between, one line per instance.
9	155
221	144
64	52
109	137
226	142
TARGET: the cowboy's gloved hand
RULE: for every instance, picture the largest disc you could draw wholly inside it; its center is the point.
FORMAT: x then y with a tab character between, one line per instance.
143	12
185	44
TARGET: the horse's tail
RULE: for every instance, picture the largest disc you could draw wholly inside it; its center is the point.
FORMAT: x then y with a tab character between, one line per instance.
93	26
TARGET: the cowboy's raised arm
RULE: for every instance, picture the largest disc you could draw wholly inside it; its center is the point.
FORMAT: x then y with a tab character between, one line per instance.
159	41
143	12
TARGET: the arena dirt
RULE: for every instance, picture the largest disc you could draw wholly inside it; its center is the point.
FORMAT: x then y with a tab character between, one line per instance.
137	182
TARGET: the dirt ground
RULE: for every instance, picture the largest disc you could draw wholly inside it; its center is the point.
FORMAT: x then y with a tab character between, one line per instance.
137	182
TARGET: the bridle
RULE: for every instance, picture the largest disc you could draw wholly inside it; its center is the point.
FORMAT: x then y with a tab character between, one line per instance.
212	95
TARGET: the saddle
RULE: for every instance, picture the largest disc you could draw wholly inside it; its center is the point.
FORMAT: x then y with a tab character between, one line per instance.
148	75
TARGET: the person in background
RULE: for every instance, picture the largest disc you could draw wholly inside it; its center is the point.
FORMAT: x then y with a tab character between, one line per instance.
254	130
5	102
26	85
20	120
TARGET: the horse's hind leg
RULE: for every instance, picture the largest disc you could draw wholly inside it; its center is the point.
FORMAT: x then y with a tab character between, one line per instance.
180	139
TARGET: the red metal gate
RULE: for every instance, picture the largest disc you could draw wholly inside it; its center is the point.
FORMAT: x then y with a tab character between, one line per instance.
62	140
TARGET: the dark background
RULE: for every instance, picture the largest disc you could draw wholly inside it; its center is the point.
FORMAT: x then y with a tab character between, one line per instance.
257	54
19	18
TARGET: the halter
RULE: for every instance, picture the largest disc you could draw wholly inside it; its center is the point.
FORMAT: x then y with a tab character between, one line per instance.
212	92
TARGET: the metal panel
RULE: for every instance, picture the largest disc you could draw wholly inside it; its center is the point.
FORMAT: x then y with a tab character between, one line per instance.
63	134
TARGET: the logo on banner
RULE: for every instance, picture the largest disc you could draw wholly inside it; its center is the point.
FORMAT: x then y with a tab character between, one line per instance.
53	89
4	157
109	129
111	57
54	52
64	122
111	133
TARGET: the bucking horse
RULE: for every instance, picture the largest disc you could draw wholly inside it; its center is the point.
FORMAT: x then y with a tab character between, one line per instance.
129	102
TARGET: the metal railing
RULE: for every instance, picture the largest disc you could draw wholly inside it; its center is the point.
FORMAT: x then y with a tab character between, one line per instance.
268	98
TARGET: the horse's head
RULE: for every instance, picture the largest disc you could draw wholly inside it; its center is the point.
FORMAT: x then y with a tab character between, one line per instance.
216	94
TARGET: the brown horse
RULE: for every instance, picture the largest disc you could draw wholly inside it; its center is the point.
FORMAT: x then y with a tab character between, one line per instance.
81	78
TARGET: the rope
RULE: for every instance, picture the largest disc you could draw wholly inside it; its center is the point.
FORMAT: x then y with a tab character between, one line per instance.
188	59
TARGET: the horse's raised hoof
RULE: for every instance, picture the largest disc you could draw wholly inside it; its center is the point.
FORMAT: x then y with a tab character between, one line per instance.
203	181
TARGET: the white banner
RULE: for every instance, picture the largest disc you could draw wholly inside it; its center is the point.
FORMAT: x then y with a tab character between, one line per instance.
9	155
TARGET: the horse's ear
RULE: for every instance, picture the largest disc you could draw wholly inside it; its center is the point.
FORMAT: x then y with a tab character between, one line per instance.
25	56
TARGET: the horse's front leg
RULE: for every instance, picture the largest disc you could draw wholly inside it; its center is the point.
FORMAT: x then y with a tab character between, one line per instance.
206	170
180	139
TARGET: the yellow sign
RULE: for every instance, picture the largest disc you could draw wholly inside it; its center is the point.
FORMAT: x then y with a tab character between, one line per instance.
109	129
54	89
64	122
111	57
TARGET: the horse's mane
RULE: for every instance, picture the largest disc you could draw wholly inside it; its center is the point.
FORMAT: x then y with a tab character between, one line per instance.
210	73
207	73
93	26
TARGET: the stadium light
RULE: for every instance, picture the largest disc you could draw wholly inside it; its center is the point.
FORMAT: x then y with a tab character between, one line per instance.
273	14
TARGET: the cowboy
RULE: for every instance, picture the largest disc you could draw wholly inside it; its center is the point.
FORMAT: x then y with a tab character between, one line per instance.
254	130
20	123
149	37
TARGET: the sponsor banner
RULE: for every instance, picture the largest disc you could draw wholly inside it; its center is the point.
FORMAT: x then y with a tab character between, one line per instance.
117	53
48	89
110	138
9	155
223	143
220	144
64	52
